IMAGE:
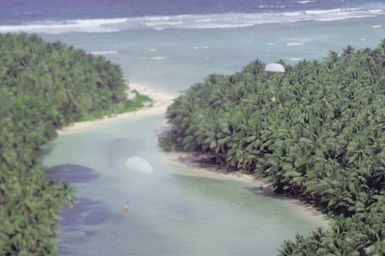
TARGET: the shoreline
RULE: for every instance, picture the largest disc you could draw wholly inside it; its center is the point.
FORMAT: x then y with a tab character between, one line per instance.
160	101
184	159
211	170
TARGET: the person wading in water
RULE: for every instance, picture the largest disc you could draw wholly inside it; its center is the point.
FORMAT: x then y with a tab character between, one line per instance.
125	207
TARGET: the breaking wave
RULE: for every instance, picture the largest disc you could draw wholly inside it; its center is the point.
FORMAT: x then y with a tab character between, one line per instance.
206	21
294	44
103	52
57	27
295	59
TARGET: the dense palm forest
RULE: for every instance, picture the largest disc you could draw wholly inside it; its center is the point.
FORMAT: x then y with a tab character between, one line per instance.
44	86
316	132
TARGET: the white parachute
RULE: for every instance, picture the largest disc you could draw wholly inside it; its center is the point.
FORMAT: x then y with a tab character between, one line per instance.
139	164
275	67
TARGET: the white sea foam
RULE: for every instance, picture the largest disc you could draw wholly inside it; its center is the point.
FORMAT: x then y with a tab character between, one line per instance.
205	21
363	39
160	24
271	6
296	59
53	27
157	18
376	26
158	58
103	52
330	11
292	14
139	164
303	2
376	11
152	50
294	44
337	18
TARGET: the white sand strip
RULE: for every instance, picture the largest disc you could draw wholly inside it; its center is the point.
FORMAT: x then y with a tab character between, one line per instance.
160	101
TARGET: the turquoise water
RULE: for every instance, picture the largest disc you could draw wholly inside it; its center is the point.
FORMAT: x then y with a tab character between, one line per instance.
172	211
174	59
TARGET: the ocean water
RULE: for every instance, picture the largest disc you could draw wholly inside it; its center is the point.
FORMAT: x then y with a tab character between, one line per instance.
174	59
172	44
17	11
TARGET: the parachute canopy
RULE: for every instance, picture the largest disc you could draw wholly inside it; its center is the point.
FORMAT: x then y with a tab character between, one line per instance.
275	67
139	164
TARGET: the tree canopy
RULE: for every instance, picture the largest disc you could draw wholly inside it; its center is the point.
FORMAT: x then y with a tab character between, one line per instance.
315	132
44	86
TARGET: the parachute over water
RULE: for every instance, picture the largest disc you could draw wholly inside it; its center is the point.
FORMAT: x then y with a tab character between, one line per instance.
139	164
275	67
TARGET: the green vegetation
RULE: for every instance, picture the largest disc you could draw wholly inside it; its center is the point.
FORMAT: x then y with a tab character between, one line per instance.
316	132
44	86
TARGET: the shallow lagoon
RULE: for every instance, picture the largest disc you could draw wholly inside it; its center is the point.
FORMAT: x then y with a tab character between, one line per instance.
172	210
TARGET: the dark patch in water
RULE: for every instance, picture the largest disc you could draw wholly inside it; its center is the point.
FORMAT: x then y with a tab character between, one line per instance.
75	222
71	173
86	212
66	251
74	240
89	233
74	216
96	217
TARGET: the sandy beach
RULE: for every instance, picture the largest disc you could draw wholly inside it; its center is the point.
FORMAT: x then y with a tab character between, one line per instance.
213	171
160	100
